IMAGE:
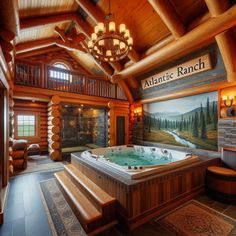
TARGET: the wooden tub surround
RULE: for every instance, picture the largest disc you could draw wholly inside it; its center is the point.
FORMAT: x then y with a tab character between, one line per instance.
137	200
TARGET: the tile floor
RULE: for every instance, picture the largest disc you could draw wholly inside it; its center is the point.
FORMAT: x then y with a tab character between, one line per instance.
25	215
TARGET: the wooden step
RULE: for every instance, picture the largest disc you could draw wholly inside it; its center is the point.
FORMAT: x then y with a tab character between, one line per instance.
86	212
93	191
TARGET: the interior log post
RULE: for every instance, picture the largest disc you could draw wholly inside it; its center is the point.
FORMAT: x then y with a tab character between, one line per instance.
126	90
132	82
225	40
169	16
54	124
185	44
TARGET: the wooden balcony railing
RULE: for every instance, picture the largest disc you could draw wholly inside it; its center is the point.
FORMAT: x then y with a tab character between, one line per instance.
50	77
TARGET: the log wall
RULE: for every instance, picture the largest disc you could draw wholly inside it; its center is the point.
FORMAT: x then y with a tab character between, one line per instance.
41	109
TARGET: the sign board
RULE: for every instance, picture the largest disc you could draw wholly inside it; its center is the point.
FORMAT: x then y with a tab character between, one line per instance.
191	67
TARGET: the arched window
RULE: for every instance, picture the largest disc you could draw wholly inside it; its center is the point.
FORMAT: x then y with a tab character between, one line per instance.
60	74
61	66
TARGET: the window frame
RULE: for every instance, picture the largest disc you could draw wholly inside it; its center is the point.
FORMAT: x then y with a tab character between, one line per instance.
53	73
36	137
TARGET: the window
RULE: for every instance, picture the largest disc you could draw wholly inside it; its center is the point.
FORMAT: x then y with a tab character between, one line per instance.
57	74
26	125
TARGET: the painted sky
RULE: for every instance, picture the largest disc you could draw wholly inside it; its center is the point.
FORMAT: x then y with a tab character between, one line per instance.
181	105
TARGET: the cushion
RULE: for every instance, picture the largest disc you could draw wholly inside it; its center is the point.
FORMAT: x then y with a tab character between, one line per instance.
20	144
19	154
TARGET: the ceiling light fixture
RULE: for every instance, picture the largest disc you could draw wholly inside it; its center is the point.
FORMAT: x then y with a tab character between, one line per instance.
109	43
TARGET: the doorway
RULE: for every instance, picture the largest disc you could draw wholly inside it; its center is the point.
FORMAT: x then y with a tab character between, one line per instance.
120	130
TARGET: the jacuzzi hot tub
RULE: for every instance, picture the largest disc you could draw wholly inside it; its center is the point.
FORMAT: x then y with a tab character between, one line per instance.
134	161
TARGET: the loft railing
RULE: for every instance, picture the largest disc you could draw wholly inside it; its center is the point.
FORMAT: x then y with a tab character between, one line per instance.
50	77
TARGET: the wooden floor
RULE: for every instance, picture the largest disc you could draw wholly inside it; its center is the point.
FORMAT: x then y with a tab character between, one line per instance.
25	213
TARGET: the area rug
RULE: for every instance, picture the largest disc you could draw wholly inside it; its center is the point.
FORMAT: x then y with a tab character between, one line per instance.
40	163
196	219
60	216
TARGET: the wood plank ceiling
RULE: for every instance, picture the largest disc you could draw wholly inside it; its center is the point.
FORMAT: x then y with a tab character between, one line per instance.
146	26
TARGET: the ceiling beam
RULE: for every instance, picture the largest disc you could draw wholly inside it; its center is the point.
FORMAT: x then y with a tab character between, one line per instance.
225	40
9	16
35	45
169	16
30	22
189	42
98	16
38	52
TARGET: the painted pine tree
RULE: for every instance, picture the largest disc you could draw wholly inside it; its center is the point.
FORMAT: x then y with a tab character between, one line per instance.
203	128
195	125
208	117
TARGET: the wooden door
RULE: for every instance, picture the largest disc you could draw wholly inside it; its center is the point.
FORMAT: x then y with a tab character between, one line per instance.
120	130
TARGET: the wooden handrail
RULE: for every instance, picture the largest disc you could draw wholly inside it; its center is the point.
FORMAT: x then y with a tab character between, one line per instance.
50	77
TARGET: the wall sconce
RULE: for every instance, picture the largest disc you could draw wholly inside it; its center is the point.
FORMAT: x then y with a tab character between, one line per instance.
138	114
226	98
228	102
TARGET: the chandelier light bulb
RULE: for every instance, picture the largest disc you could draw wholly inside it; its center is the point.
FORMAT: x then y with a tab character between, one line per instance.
115	42
108	53
130	41
101	43
94	37
122	28
127	34
112	26
96	29
122	46
101	27
90	44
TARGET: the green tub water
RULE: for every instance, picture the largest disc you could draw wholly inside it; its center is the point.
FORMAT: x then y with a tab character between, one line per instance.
132	158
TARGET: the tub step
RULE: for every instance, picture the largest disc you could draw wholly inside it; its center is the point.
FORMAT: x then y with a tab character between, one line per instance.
97	195
100	199
88	215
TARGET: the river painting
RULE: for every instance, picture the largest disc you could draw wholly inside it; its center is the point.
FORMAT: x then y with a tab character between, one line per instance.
189	121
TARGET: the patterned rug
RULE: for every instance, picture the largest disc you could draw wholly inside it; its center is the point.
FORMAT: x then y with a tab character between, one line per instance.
196	219
40	163
60	216
190	219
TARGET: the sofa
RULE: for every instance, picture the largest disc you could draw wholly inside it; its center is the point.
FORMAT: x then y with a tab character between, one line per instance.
18	153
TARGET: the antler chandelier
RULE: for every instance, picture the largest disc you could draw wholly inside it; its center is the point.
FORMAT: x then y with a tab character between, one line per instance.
109	43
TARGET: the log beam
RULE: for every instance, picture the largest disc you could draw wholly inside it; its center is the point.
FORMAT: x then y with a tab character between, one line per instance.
185	44
7	35
225	40
98	16
10	16
45	20
34	45
38	52
169	16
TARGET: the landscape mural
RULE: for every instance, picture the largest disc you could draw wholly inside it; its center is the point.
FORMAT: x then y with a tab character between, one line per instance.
189	121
